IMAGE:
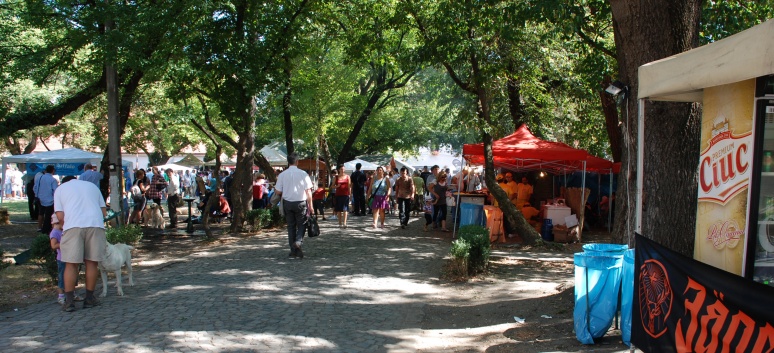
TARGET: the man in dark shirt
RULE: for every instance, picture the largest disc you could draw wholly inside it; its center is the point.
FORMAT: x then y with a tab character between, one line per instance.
358	190
228	180
425	173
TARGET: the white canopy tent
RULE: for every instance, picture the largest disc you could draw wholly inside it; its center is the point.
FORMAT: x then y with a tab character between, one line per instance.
275	156
67	161
175	167
428	158
683	78
349	167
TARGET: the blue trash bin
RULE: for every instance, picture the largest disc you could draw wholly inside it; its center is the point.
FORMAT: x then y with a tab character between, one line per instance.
597	282
605	249
472	214
627	296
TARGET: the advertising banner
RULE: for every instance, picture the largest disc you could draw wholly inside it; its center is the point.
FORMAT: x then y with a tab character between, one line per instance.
62	169
725	168
683	305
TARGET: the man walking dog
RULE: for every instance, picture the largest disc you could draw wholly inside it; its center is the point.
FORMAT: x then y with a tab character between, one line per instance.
295	188
81	210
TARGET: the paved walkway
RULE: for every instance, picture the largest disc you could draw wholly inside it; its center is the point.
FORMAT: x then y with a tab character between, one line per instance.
355	291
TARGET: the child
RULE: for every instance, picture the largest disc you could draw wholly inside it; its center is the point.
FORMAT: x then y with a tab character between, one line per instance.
428	210
318	200
56	238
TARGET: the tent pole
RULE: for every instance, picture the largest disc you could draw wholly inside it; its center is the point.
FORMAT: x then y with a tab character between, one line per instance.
317	161
610	209
599	190
2	185
582	201
640	164
457	208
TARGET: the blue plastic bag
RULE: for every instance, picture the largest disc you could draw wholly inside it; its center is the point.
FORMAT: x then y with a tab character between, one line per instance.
597	282
602	249
627	296
472	214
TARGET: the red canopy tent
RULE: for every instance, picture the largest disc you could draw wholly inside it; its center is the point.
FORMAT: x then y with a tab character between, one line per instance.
524	151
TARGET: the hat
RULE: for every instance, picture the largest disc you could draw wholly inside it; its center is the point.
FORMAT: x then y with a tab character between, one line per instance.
54	219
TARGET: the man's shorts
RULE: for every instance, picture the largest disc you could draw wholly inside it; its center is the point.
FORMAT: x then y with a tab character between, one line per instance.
80	244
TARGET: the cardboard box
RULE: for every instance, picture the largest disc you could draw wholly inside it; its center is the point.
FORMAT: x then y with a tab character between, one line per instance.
565	235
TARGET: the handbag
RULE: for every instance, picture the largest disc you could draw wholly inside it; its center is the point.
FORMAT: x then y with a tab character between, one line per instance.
370	201
312	228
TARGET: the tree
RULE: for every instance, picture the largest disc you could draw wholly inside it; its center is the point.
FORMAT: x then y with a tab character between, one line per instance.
464	40
644	32
228	54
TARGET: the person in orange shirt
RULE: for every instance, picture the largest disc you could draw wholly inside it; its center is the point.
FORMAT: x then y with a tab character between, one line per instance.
318	200
529	213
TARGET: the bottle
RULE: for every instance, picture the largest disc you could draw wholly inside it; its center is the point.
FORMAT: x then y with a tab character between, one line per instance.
768	161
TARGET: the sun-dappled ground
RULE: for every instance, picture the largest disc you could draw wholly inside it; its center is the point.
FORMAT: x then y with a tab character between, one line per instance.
477	315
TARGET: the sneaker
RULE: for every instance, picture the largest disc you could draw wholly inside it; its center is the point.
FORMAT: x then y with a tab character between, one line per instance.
60	300
68	306
299	253
91	302
77	298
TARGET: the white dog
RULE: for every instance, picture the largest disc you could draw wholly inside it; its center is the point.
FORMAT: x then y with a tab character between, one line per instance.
115	257
153	217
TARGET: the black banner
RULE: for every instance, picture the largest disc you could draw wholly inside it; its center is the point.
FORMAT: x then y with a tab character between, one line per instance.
683	305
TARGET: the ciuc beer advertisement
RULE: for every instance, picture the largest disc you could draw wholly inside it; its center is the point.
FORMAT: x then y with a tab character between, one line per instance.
724	172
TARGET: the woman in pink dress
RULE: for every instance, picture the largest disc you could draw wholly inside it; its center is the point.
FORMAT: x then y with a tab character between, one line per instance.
379	191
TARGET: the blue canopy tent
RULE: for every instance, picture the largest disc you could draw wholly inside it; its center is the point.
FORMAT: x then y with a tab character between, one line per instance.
67	161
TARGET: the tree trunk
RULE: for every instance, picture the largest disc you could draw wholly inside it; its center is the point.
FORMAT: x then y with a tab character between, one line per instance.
286	113
326	153
242	184
514	216
263	163
610	110
346	150
515	107
215	195
646	31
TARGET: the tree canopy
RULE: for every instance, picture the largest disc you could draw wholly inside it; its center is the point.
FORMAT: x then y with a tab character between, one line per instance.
344	78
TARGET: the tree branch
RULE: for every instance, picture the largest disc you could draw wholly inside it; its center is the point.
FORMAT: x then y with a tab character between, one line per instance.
212	128
595	44
51	116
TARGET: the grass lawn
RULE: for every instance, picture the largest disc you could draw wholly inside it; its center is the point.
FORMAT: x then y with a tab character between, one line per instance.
24	284
18	210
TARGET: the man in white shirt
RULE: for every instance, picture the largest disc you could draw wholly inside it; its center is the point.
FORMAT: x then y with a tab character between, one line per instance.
173	197
295	188
80	208
185	181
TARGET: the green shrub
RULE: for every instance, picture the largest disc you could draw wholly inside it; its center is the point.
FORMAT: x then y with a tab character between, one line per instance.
277	220
460	249
480	247
457	267
3	264
44	256
260	218
129	234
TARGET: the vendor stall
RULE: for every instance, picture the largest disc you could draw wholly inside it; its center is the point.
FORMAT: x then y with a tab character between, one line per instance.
523	151
68	161
733	78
